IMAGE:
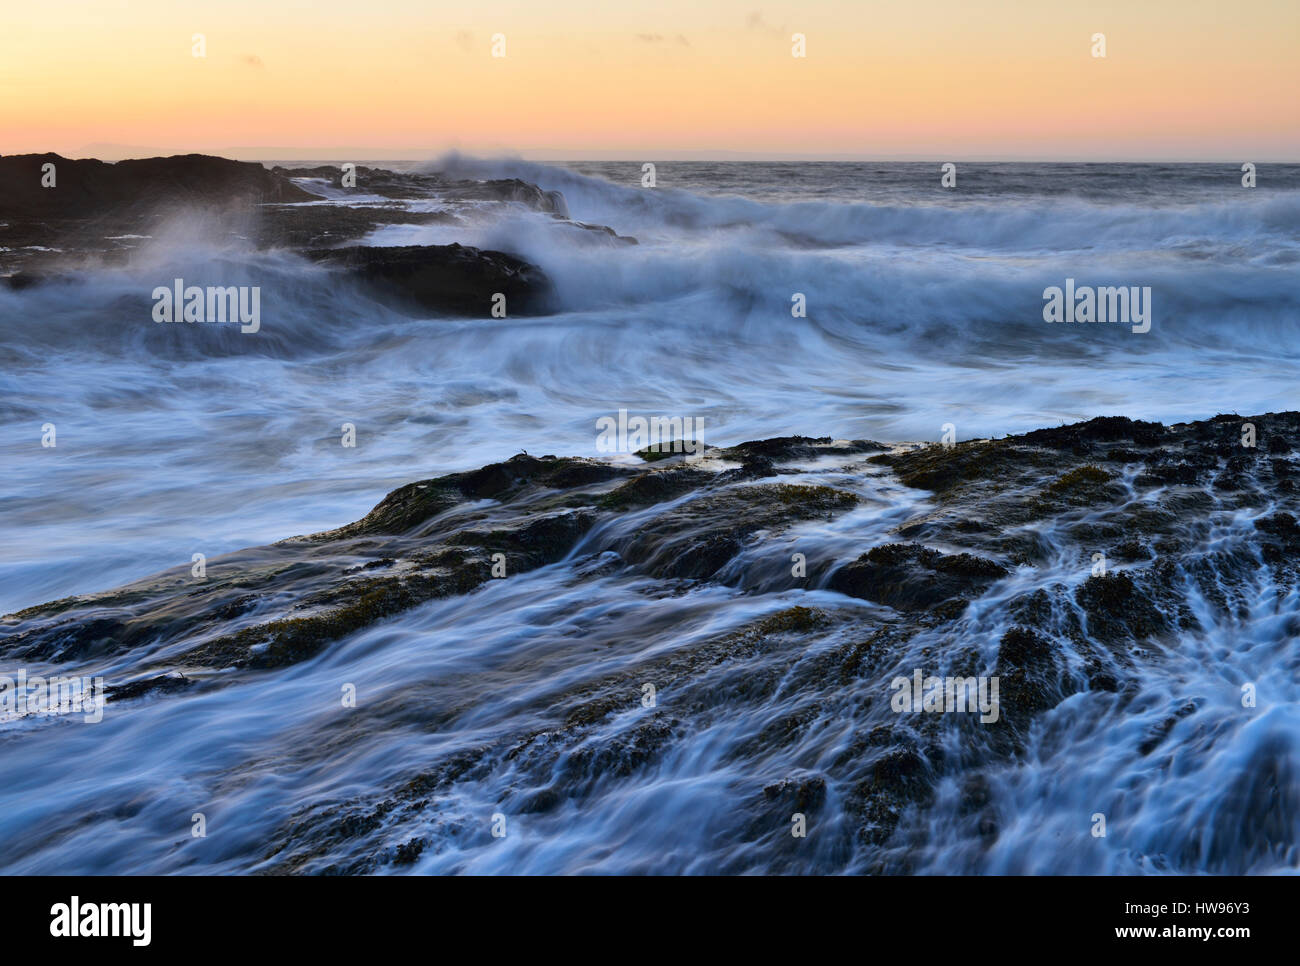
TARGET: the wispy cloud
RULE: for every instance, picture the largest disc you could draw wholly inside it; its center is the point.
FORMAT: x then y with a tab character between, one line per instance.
679	39
755	21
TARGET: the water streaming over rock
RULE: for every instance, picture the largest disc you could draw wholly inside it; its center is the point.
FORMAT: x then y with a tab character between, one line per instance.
524	698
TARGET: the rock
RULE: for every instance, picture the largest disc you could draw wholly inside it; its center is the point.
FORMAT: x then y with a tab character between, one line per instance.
450	279
415	184
98	213
1031	675
788	449
508	189
324	226
1118	610
801	678
912	577
88	189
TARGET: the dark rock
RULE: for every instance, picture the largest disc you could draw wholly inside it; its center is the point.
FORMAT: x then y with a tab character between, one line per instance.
791	680
797	795
787	449
704	534
912	577
88	189
162	682
660	487
1161	731
408	852
444	278
86	217
1030	675
1107	429
1117	609
897	779
322	226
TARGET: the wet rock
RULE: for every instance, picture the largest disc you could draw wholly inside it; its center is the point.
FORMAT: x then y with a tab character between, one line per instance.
1083	486
408	852
797	795
449	279
330	226
899	779
804	673
649	488
1118	610
1279	546
1081	437
409	506
670	449
1031	675
944	469
508	189
1130	550
159	683
99	213
912	577
623	754
603	232
1161	731
705	534
787	449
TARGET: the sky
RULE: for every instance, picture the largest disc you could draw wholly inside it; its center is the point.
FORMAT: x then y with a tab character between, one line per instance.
670	79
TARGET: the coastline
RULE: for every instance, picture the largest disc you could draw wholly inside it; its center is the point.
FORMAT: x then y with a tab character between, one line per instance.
786	655
855	562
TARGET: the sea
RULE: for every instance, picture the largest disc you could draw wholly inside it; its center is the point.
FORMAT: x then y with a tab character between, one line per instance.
851	300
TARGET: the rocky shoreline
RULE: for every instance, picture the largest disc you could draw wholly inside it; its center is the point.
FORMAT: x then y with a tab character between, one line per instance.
98	215
1003	534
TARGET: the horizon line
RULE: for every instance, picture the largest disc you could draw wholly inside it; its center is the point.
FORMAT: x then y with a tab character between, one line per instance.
113	153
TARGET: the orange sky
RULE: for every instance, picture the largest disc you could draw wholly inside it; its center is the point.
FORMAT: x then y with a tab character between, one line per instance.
930	79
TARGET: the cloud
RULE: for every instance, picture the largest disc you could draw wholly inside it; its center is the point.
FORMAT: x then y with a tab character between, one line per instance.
755	21
679	39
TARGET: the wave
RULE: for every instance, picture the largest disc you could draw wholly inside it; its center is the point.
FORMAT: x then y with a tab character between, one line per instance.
1038	225
895	343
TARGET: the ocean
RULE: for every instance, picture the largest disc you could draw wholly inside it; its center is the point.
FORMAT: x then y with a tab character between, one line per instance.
924	308
849	300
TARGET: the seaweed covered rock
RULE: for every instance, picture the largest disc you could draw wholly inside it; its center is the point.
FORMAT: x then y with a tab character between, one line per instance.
1032	675
1117	609
913	577
711	606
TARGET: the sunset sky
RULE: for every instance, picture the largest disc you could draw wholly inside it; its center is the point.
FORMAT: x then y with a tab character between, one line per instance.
950	79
